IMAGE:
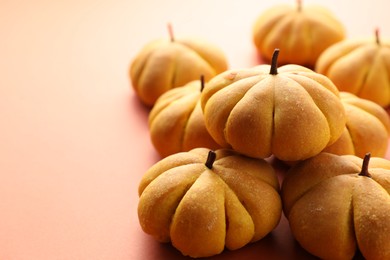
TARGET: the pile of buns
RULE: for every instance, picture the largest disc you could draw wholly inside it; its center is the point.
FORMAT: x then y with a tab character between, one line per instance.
318	104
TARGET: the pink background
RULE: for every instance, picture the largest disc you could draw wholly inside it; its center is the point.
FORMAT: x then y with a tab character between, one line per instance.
74	140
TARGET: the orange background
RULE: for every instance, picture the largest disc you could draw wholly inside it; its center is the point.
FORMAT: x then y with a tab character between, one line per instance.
74	140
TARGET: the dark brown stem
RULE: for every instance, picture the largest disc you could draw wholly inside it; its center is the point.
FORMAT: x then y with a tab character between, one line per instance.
364	171
377	36
210	159
274	63
170	31
299	5
201	83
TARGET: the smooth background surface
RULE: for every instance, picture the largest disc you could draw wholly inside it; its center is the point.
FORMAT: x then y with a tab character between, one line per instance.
74	140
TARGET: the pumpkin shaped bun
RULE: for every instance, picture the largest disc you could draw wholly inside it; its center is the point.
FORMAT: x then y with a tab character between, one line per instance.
203	201
338	205
176	121
359	66
164	64
367	128
303	32
291	112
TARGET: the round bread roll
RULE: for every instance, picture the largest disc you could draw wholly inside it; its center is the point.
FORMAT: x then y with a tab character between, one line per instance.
164	64
338	205
291	112
359	66
303	32
176	121
367	128
203	201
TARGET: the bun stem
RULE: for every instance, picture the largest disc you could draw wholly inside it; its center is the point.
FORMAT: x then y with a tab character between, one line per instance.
210	159
274	63
364	171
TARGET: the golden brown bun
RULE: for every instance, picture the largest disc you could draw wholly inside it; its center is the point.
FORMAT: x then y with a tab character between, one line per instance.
293	115
176	121
165	64
301	32
359	66
333	211
367	128
202	210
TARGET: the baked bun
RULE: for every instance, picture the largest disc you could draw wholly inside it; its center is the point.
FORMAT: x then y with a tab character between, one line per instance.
203	201
338	205
176	121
